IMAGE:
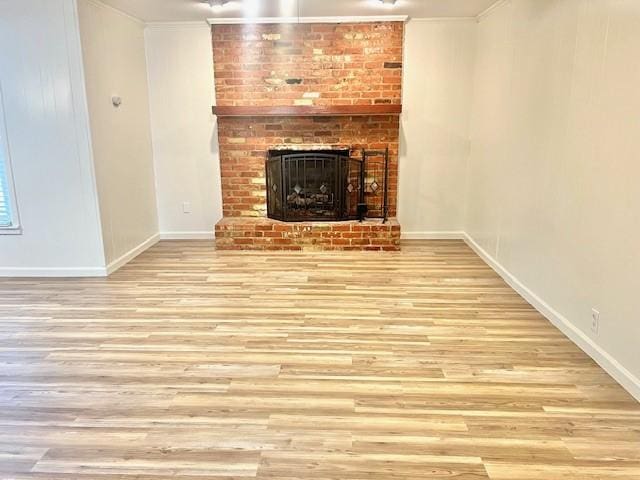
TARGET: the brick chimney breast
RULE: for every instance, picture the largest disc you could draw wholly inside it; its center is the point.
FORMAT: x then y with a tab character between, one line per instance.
305	65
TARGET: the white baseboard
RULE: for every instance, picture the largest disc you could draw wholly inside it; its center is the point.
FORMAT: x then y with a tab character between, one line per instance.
188	235
53	272
432	236
82	272
624	377
133	253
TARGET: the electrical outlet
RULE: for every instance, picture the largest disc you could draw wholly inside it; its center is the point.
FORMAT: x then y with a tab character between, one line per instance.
595	321
186	207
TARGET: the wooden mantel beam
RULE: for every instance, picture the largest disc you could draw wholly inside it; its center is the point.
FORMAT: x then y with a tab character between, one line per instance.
307	111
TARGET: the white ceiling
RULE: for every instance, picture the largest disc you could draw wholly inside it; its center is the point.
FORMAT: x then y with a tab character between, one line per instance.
194	10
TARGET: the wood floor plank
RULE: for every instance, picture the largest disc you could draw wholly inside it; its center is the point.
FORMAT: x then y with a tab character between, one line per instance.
194	364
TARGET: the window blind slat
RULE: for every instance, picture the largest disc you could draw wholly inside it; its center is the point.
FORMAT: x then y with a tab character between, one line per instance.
5	207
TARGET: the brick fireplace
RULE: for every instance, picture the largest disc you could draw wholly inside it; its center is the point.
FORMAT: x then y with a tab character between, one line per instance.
302	87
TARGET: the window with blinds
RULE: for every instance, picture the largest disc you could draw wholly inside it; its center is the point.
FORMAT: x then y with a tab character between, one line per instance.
8	211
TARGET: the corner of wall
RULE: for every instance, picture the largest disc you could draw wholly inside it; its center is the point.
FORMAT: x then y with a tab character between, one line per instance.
83	128
123	229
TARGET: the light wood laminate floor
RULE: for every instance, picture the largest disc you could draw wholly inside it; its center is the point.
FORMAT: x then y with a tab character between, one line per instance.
190	363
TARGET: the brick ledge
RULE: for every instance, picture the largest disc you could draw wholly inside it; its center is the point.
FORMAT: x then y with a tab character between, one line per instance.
249	233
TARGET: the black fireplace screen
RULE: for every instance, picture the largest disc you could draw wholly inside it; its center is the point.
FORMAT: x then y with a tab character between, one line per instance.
326	185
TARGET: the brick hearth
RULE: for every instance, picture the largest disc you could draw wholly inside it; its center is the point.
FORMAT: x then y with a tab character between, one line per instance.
246	233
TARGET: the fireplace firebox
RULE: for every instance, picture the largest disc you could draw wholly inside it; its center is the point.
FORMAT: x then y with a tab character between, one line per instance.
326	185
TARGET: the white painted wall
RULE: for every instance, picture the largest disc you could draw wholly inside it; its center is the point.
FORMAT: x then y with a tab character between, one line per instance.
48	134
185	139
434	137
115	64
555	141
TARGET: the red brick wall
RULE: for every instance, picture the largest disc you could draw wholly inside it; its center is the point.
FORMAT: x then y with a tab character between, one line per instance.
308	64
303	64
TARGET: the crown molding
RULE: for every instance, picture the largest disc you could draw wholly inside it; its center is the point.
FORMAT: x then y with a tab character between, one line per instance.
441	19
186	24
493	7
117	11
269	20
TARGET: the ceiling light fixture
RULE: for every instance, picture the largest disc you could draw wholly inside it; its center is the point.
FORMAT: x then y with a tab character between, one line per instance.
388	2
217	3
